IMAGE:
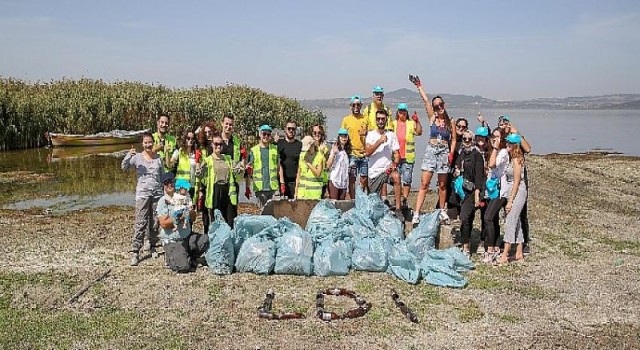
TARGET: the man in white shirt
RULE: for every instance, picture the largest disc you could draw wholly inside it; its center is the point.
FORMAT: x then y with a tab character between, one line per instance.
382	148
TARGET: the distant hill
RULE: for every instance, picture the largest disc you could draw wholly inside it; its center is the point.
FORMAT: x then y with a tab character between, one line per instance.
615	101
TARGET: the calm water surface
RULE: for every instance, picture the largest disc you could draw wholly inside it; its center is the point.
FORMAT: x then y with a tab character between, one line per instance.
91	177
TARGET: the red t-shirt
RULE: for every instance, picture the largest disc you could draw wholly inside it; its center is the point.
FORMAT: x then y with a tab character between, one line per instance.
401	134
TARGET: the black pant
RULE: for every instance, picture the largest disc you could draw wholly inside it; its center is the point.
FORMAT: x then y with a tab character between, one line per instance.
491	222
524	223
181	255
467	214
222	202
290	189
205	212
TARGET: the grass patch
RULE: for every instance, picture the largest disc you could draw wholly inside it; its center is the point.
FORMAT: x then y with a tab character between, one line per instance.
215	292
469	311
430	295
534	292
365	287
623	246
10	282
508	318
487	283
569	247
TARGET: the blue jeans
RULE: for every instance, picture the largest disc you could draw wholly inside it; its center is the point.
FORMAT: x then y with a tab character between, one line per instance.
406	172
358	165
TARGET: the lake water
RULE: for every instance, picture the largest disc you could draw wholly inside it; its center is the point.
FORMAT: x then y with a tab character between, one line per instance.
84	178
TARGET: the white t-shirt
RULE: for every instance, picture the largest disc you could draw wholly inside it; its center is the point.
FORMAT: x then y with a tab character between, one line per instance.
382	157
339	174
502	159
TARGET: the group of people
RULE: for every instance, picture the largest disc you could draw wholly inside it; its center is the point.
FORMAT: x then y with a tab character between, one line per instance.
201	170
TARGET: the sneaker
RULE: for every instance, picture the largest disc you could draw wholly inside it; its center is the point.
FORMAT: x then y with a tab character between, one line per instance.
526	249
154	253
496	255
135	259
487	258
444	218
416	218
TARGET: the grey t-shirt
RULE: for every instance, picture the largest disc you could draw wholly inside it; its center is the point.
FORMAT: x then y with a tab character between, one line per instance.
149	174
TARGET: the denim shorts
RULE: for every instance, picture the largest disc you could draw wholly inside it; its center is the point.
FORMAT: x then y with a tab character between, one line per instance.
436	159
406	172
358	165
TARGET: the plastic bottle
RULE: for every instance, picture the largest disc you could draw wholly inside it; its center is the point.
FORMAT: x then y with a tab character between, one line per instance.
353	313
268	301
320	300
327	316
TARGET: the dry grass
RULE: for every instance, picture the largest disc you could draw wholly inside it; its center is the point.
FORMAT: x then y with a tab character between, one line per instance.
579	288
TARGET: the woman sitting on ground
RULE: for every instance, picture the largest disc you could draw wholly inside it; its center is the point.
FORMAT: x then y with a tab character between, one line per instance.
513	188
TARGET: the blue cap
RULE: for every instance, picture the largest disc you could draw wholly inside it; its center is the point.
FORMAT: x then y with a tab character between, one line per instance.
343	131
403	106
183	183
378	88
482	131
168	178
354	98
504	117
265	128
514	138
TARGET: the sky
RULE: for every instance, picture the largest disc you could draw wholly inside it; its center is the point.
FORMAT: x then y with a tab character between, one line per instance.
504	50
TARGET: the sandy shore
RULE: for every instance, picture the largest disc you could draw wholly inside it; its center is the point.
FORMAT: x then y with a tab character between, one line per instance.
578	289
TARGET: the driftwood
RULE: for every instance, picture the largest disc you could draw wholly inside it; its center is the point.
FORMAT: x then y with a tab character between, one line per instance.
87	286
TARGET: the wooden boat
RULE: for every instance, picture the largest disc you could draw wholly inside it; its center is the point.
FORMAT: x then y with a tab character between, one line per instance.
115	137
58	153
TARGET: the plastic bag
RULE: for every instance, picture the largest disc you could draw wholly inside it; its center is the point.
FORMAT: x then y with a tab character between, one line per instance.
438	268
324	219
258	253
333	257
460	262
221	253
403	265
294	252
423	237
369	254
390	226
250	225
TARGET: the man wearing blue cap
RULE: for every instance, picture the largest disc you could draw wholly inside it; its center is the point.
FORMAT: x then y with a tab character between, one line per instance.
357	125
375	106
406	130
263	167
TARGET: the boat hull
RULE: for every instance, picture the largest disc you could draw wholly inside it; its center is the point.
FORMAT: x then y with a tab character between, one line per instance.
65	140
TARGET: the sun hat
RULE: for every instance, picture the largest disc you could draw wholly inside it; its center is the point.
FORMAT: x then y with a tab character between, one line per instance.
183	183
403	106
354	98
482	131
168	177
343	131
265	127
514	138
378	88
307	141
504	117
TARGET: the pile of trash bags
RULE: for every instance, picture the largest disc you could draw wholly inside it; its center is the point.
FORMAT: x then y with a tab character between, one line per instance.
366	238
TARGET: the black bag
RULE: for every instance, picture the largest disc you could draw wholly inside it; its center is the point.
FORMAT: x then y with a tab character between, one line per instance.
468	185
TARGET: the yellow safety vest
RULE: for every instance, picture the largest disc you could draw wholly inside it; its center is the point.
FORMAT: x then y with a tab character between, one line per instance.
210	181
184	166
310	185
324	149
200	181
410	148
370	113
257	168
169	140
236	147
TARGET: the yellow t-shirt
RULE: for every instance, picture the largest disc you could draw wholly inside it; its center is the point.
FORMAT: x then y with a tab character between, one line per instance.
353	124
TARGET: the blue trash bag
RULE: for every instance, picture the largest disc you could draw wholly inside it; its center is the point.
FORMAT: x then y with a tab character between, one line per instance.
460	261
370	254
370	206
423	237
221	255
355	217
246	225
333	256
438	268
294	252
403	265
258	253
390	226
324	219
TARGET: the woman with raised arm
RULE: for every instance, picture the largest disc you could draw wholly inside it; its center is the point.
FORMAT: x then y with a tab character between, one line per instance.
439	152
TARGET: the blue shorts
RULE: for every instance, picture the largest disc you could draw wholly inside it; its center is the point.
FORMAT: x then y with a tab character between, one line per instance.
406	172
358	165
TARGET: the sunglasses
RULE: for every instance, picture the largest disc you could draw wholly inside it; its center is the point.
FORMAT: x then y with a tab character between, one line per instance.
467	139
291	128
319	133
217	144
461	126
378	94
356	104
381	119
266	134
189	138
438	106
170	184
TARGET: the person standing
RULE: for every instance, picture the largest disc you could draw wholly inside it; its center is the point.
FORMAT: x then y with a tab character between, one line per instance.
498	161
263	167
181	246
163	143
338	165
319	138
406	130
220	183
312	163
356	125
375	106
183	162
438	153
289	149
382	149
149	170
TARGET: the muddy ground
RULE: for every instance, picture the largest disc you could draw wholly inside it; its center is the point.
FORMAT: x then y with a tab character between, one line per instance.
578	289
